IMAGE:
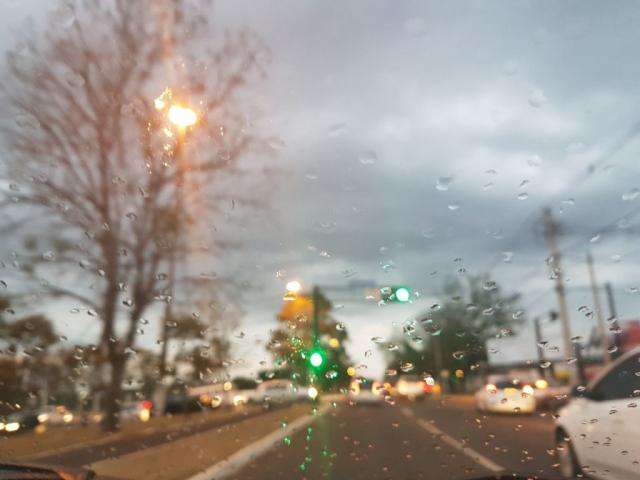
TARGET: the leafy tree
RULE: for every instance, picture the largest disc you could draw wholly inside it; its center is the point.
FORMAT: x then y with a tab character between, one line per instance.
453	334
293	339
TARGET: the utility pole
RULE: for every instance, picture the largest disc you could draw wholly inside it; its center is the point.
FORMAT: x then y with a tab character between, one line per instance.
539	346
551	234
602	331
613	318
315	300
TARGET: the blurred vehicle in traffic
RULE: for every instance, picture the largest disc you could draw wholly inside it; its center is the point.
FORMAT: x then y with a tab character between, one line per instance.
604	412
277	391
506	396
365	392
18	422
412	387
55	415
137	411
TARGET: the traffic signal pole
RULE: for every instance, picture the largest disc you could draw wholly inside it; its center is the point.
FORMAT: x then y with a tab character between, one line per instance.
315	299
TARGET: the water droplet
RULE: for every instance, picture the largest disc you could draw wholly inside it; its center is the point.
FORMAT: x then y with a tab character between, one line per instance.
49	256
523	196
534	161
631	195
537	98
368	157
407	367
595	238
490	286
453	207
458	354
487	186
443	183
338	129
545	364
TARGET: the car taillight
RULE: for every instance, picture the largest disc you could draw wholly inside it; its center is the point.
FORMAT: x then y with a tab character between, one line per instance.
146	404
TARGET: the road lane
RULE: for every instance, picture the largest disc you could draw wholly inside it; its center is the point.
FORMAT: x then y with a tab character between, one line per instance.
364	442
517	442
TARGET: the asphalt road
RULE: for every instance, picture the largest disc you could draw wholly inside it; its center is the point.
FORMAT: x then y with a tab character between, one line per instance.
424	440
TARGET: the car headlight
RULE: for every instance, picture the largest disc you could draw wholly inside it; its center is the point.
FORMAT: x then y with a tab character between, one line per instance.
541	384
67	417
12	426
2	425
43	417
527	390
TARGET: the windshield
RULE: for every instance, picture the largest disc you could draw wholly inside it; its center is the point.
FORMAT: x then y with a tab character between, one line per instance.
288	239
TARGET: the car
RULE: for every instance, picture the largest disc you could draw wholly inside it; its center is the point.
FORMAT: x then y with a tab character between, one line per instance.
601	420
506	396
411	387
365	392
19	422
137	411
55	415
277	391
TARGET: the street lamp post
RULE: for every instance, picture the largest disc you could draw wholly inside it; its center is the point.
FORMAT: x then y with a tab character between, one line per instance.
182	118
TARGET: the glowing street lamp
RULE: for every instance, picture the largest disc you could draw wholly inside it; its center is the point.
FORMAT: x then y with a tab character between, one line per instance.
293	286
182	117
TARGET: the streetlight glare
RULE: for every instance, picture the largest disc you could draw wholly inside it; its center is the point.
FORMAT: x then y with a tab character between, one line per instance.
294	286
181	116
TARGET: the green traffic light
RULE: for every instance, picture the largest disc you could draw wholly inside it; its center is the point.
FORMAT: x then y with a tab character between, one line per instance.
316	359
402	294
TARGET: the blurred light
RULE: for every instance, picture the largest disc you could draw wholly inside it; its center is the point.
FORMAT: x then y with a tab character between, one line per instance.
147	404
2	425
181	116
430	381
67	417
43	417
216	401
459	373
312	392
351	371
541	384
144	415
294	286
12	427
239	399
159	103
403	294
316	359
227	386
527	390
491	388
334	343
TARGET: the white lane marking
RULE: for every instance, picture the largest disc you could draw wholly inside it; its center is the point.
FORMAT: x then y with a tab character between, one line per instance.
468	451
239	459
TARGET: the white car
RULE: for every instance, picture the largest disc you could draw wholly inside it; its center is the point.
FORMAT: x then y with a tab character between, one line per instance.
55	415
366	393
598	432
276	391
506	396
411	387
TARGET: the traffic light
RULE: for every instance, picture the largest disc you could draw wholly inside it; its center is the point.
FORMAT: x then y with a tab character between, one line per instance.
316	358
397	294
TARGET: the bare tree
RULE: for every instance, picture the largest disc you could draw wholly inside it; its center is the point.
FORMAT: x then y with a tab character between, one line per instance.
98	167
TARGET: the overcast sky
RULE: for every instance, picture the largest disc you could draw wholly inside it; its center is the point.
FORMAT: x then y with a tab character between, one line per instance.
419	137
